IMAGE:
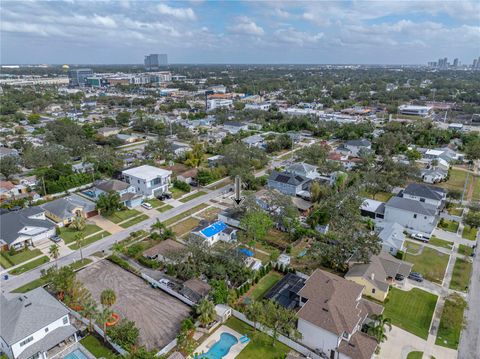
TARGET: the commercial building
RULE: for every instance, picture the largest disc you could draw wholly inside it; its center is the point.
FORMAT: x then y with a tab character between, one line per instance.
412	110
78	77
154	61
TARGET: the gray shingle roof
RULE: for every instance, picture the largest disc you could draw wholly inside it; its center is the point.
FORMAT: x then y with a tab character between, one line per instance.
63	207
412	206
49	341
359	143
112	185
421	190
11	223
27	313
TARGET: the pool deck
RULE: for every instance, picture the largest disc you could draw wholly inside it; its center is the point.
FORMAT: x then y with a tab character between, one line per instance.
215	337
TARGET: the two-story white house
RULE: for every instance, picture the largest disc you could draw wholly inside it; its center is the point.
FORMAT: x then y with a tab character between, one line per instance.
32	324
149	181
415	216
435	196
127	192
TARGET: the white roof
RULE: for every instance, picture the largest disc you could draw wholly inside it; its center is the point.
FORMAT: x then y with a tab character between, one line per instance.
414	107
434	152
147	172
370	205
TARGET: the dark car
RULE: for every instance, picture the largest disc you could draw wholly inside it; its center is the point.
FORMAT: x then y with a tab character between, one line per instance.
416	277
164	196
399	277
56	239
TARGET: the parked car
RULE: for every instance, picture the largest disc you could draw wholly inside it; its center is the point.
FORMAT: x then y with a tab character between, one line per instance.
147	205
420	237
56	239
399	277
416	277
164	196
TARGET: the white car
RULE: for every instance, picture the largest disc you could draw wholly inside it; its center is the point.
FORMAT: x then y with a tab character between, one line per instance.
420	237
147	205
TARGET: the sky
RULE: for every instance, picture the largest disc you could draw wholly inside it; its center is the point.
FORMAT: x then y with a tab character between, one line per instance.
239	32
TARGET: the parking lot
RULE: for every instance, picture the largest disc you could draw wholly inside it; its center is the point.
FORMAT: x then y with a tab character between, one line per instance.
156	314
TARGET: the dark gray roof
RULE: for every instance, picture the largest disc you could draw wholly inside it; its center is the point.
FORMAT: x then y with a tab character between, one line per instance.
421	190
358	143
287	177
49	341
234	124
11	223
27	313
31	211
112	185
412	206
63	207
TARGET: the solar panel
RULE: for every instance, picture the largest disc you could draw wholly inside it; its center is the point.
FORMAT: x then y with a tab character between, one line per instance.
283	178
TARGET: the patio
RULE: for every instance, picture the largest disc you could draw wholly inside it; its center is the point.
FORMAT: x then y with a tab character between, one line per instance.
215	337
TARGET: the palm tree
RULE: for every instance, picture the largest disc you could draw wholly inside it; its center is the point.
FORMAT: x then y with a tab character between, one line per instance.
90	311
254	313
78	223
102	318
108	297
158	226
79	238
205	311
377	328
54	252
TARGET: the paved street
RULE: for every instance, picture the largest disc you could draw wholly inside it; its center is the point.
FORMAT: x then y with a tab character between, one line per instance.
107	242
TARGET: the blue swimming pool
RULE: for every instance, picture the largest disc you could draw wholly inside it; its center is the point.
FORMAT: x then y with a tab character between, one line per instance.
76	354
220	348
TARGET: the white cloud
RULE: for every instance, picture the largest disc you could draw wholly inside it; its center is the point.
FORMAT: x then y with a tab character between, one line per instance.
296	37
245	26
178	13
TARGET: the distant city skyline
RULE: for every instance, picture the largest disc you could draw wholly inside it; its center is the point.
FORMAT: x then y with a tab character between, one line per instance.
239	32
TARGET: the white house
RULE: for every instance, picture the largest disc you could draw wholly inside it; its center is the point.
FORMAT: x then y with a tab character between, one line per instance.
392	237
24	228
127	192
254	141
217	231
215	103
149	181
32	324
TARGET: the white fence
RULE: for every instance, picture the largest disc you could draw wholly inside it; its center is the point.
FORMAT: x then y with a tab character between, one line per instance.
167	347
281	338
165	288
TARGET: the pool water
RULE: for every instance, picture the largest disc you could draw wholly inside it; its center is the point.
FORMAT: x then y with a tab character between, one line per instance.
220	348
76	354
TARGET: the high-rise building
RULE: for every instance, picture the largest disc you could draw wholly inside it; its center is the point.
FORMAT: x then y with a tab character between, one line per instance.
78	77
455	63
475	64
154	61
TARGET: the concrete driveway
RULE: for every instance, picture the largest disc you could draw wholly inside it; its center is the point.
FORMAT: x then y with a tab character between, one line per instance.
105	224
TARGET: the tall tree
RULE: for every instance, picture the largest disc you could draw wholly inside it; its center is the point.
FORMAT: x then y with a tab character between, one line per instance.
377	327
90	311
280	320
205	311
256	223
79	241
103	317
109	203
254	312
9	166
78	223
195	156
54	252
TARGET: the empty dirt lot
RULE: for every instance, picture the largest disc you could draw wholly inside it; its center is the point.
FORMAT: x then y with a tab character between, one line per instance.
156	314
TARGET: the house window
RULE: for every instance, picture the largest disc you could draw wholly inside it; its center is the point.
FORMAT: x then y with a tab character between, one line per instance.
373	290
26	341
156	181
46	330
415	215
422	199
65	320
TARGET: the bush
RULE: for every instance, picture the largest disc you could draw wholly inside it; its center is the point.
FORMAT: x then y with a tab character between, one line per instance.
150	263
134	250
182	186
124	333
120	262
400	255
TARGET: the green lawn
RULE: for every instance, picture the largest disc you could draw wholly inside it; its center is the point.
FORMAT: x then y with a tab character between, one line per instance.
476	189
221	184
32	285
96	347
29	266
264	285
177	193
435	241
260	345
4	263
431	263
155	202
68	234
20	256
80	264
185	226
455	211
134	221
446	225
469	233
415	355
465	250
462	272
164	208
412	310
193	196
412	247
451	322
185	214
456	180
90	240
380	196
121	216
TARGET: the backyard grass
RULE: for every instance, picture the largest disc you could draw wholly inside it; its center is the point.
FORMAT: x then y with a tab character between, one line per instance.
185	226
260	345
96	347
447	225
193	196
469	233
264	285
134	221
164	208
412	247
476	188
456	180
435	241
89	240
415	355
185	214
68	234
451	322
412	310
465	250
121	216
30	265
19	257
462	271
155	202
431	263
381	196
